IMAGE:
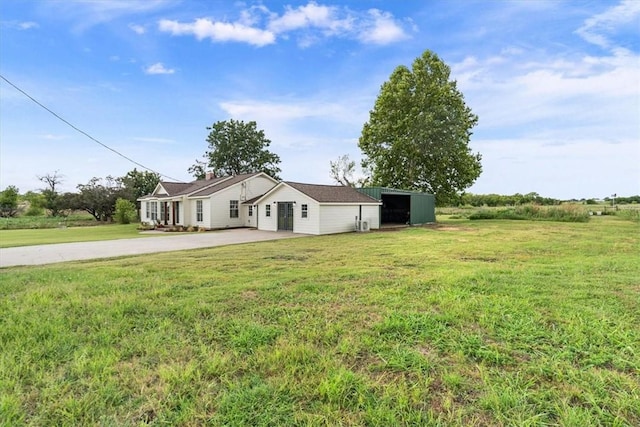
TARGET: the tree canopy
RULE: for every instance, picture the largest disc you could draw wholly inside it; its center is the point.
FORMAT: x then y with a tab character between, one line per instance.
98	197
342	171
236	147
418	132
139	183
52	201
9	201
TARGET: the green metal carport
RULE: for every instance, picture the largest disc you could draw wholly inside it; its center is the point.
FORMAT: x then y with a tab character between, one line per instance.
403	206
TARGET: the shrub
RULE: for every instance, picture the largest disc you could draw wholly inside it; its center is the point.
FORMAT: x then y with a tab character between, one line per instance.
125	211
34	211
564	213
630	214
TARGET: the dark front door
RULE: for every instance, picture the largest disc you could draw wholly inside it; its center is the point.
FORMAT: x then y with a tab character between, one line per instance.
285	216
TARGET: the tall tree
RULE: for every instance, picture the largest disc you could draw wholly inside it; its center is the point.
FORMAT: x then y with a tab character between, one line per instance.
418	132
139	183
98	197
342	171
50	192
237	147
9	202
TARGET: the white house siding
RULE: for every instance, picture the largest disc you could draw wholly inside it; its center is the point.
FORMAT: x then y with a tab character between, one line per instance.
250	221
206	213
187	211
219	202
321	218
257	186
267	223
219	216
143	212
372	214
342	218
309	225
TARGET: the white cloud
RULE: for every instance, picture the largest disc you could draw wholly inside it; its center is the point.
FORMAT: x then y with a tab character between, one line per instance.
381	29
595	30
585	167
564	118
266	111
308	16
218	31
579	92
138	29
28	25
158	68
310	23
19	25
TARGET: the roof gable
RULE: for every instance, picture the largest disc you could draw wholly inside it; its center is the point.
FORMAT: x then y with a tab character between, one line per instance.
173	188
221	185
201	187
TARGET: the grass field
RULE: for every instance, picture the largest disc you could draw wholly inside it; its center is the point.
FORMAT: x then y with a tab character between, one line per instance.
30	222
29	237
465	323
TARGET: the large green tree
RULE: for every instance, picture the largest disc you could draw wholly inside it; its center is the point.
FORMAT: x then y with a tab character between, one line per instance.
139	183
9	201
236	147
418	132
98	197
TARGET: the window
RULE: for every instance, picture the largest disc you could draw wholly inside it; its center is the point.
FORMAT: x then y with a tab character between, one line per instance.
147	210
163	211
305	211
233	209
267	211
250	210
154	211
176	207
199	210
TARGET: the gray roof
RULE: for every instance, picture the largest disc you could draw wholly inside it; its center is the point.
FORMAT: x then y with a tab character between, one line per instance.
221	185
202	187
332	193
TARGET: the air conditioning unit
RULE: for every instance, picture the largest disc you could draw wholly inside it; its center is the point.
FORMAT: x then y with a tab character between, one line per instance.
362	225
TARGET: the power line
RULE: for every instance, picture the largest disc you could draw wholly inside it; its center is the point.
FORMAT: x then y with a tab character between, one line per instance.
85	133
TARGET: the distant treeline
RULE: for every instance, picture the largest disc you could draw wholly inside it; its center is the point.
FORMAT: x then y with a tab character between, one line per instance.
517	199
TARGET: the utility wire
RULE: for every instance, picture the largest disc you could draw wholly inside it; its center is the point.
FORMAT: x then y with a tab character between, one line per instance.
85	133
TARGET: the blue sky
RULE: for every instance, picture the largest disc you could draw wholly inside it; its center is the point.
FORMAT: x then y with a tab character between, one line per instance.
556	84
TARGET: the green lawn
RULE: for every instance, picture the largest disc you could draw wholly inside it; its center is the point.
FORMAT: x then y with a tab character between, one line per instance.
43	236
467	323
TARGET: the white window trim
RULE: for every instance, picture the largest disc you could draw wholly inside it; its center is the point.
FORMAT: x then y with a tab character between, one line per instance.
234	208
199	211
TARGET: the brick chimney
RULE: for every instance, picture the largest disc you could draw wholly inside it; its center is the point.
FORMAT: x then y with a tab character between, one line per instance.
210	175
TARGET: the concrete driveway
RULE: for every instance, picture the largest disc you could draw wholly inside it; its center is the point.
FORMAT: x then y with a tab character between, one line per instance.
166	242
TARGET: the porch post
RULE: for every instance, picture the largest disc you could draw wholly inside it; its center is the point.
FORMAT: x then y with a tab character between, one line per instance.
166	213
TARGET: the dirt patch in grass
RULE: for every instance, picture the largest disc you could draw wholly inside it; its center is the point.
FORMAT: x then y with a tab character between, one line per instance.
249	294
